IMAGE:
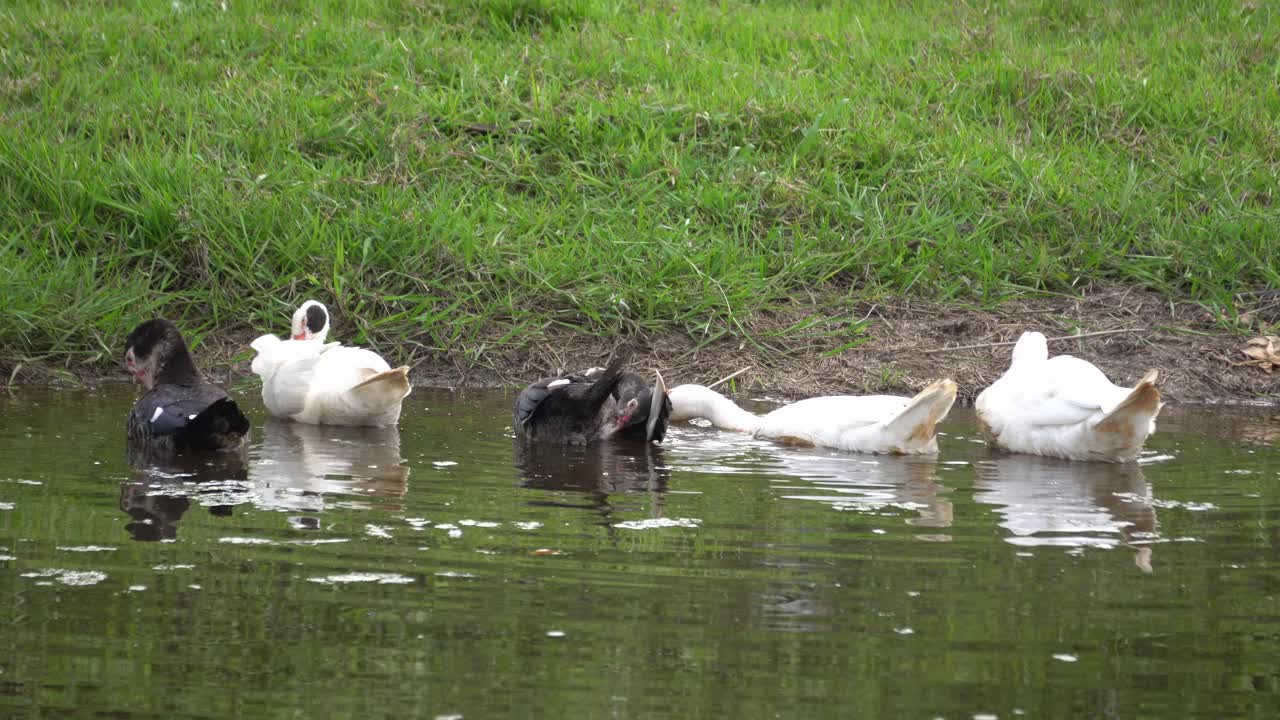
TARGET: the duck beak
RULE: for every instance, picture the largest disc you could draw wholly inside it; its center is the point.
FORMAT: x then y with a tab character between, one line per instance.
655	406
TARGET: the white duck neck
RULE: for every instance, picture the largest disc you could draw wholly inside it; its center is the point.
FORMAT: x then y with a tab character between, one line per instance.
725	414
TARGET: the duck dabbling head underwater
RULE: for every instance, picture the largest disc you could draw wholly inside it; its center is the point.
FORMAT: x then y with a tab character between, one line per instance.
179	410
598	404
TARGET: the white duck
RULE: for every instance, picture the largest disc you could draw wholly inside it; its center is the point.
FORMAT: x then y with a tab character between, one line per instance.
871	423
311	381
1065	407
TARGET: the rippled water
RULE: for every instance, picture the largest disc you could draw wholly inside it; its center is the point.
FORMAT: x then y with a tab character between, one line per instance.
438	572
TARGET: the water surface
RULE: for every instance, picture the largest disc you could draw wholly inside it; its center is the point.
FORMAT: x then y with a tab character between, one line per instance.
438	570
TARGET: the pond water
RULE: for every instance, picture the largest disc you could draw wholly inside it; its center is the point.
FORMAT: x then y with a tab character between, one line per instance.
435	572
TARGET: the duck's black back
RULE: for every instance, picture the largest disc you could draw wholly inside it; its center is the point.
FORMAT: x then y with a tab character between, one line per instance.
186	417
567	409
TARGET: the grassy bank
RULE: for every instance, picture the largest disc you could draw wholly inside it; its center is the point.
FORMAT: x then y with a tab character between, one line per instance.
462	177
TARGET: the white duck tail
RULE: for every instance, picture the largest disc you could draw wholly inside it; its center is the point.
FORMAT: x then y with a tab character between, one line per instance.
351	386
1122	431
380	394
912	431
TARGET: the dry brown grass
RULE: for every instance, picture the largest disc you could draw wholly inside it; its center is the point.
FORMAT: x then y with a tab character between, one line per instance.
909	344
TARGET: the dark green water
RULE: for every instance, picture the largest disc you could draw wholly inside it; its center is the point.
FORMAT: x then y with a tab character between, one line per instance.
434	573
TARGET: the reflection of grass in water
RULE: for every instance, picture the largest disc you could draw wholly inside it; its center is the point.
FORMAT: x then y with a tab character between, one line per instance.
470	174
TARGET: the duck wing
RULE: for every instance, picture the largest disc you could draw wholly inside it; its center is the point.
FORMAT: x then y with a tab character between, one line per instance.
1065	391
568	395
287	369
196	417
167	408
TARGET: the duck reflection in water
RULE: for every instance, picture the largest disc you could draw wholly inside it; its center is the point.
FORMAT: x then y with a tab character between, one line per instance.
871	484
1065	504
857	482
878	485
163	485
297	465
155	515
598	471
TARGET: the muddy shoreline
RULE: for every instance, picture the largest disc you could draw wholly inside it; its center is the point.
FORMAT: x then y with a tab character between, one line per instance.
903	344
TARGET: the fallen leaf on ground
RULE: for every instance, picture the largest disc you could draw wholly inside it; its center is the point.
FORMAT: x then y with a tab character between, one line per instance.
1263	352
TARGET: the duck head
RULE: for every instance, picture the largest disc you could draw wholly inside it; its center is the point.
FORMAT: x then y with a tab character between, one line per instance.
650	409
155	352
310	322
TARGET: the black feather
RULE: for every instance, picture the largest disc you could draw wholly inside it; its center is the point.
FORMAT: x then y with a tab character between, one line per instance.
317	318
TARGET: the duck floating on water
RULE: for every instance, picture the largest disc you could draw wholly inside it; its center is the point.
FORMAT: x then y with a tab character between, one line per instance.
596	404
180	410
1065	407
311	381
869	424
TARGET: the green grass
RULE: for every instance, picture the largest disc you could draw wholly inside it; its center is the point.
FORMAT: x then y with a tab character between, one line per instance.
461	176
